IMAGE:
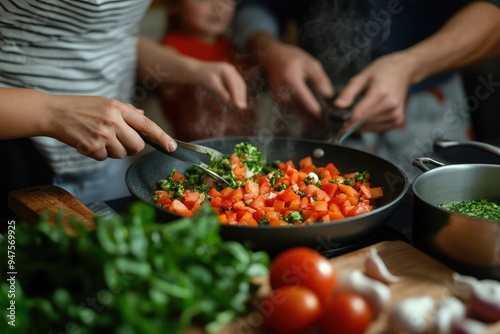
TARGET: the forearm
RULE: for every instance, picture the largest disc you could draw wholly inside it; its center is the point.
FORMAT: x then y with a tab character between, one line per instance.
471	36
262	41
264	46
161	65
24	113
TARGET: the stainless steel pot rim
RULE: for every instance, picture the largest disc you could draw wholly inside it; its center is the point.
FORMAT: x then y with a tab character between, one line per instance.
435	172
450	169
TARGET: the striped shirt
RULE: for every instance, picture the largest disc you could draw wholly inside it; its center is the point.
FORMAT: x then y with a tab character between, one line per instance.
70	47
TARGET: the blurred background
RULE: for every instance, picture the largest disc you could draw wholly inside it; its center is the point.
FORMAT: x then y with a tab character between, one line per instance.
485	113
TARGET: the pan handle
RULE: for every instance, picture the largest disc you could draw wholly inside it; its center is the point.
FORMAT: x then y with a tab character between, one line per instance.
444	143
422	163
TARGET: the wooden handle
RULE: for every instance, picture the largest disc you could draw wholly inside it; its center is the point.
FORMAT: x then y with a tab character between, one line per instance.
29	204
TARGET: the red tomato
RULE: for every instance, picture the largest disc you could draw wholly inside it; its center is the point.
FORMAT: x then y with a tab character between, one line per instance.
347	313
306	267
290	309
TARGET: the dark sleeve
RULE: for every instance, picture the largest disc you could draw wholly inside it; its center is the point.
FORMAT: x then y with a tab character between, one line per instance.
495	2
257	15
23	167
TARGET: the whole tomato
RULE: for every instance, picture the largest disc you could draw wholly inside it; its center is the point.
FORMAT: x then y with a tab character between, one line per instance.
291	309
347	313
305	267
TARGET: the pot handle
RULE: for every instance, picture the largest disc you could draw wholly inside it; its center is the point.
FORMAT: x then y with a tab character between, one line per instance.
444	143
422	163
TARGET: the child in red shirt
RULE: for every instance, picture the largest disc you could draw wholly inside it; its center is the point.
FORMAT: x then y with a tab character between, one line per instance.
196	28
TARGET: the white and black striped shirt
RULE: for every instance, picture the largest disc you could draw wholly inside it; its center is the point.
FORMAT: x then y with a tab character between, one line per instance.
70	47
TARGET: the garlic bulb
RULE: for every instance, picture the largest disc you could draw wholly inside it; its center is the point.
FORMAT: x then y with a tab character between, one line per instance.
375	268
463	286
450	310
374	292
411	315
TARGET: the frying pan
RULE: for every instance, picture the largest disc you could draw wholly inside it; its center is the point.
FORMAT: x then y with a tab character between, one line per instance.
143	175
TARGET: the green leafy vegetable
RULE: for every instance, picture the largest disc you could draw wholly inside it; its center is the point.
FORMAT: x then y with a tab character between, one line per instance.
361	176
131	275
349	181
174	188
293	217
276	175
222	166
251	157
484	209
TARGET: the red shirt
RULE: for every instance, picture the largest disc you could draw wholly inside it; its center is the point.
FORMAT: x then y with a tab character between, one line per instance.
199	49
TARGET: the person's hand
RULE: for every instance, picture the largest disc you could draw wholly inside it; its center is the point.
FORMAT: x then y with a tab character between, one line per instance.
165	67
289	69
99	127
223	79
383	86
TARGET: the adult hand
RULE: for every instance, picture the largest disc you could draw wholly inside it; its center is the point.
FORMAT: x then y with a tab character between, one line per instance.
384	85
289	69
100	127
222	78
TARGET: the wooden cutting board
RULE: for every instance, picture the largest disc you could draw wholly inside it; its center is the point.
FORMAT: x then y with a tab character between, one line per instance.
420	275
29	204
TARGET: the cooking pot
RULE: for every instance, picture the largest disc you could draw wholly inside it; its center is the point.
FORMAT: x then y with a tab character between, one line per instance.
469	245
143	175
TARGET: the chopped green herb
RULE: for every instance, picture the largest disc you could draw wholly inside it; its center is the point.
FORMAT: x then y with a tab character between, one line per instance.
280	187
349	181
484	209
293	217
263	221
251	157
276	175
174	188
361	176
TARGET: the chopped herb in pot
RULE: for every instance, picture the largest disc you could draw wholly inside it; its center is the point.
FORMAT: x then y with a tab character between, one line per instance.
484	209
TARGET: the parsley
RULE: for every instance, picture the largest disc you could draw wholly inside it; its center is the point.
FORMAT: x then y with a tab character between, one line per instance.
293	217
174	188
276	175
251	157
361	177
280	187
483	209
349	181
130	275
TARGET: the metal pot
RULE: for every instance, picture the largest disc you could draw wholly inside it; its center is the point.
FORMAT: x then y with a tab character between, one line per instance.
143	175
468	245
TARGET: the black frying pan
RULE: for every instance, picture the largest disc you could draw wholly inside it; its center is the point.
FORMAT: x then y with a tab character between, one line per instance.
143	175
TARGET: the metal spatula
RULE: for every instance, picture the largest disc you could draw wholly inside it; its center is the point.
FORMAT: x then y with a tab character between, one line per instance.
187	158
